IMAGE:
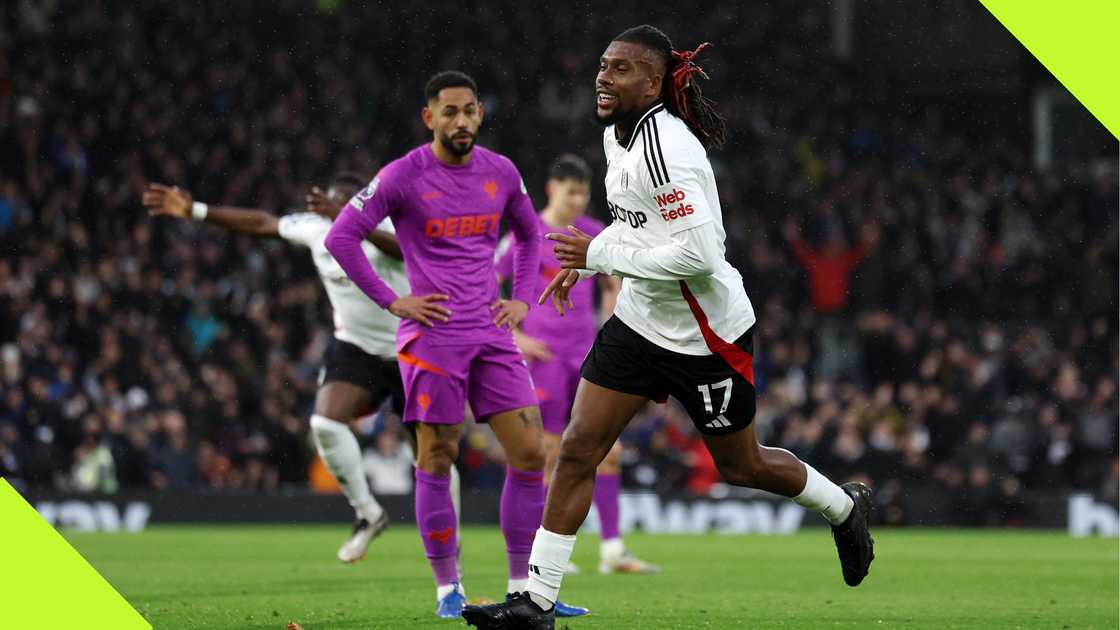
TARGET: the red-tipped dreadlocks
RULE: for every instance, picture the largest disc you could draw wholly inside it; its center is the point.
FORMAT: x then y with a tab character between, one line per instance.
682	76
679	90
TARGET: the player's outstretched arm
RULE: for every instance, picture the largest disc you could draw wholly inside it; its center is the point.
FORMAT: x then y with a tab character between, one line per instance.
322	204
175	202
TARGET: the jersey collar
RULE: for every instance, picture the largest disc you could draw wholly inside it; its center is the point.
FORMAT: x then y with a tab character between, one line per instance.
653	109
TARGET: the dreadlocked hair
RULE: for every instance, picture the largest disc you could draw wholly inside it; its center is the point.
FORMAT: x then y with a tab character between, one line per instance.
679	89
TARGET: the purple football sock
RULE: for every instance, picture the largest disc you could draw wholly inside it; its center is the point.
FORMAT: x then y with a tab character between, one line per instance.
521	510
435	516
607	488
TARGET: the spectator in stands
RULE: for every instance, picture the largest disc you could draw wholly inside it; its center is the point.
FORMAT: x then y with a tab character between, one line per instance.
389	464
830	267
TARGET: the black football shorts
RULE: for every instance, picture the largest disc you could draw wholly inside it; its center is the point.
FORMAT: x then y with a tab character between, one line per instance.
717	389
346	362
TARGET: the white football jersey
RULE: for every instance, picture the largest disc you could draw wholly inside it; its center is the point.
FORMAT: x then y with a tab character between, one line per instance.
357	319
658	184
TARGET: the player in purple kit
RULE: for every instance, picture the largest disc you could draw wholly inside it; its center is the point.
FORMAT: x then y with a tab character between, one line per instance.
446	200
555	345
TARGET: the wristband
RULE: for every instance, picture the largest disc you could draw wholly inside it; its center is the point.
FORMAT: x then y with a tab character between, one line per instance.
199	211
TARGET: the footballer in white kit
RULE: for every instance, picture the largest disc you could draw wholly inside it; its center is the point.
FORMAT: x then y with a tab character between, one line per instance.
679	295
360	368
655	202
682	326
373	331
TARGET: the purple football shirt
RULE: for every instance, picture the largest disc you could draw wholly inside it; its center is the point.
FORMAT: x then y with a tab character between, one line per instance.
446	218
575	331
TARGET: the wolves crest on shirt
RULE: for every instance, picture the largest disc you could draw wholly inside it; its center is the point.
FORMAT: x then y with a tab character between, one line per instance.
365	194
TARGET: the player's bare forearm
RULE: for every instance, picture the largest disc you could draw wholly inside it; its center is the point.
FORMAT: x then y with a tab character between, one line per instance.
172	201
244	220
386	242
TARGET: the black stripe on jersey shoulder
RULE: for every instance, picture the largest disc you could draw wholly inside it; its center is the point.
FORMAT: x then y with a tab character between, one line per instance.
654	174
660	107
660	159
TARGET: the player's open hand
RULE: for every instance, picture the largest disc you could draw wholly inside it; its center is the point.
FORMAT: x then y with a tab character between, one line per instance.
571	249
560	290
510	313
171	201
531	348
421	308
319	203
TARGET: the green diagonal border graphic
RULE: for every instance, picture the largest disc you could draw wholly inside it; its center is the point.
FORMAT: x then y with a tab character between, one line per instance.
1079	43
45	583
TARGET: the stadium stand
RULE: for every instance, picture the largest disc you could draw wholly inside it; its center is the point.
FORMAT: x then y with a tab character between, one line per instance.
975	348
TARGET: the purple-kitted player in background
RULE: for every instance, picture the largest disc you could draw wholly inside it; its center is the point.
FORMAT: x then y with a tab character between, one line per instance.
446	200
556	344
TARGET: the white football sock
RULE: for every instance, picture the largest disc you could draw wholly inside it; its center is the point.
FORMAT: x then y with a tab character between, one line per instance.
517	586
446	589
547	563
337	446
825	497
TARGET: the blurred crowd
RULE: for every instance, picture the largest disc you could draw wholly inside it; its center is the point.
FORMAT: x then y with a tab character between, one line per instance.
932	310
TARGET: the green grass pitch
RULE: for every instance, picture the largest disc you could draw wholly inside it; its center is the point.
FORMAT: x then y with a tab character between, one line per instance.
254	578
